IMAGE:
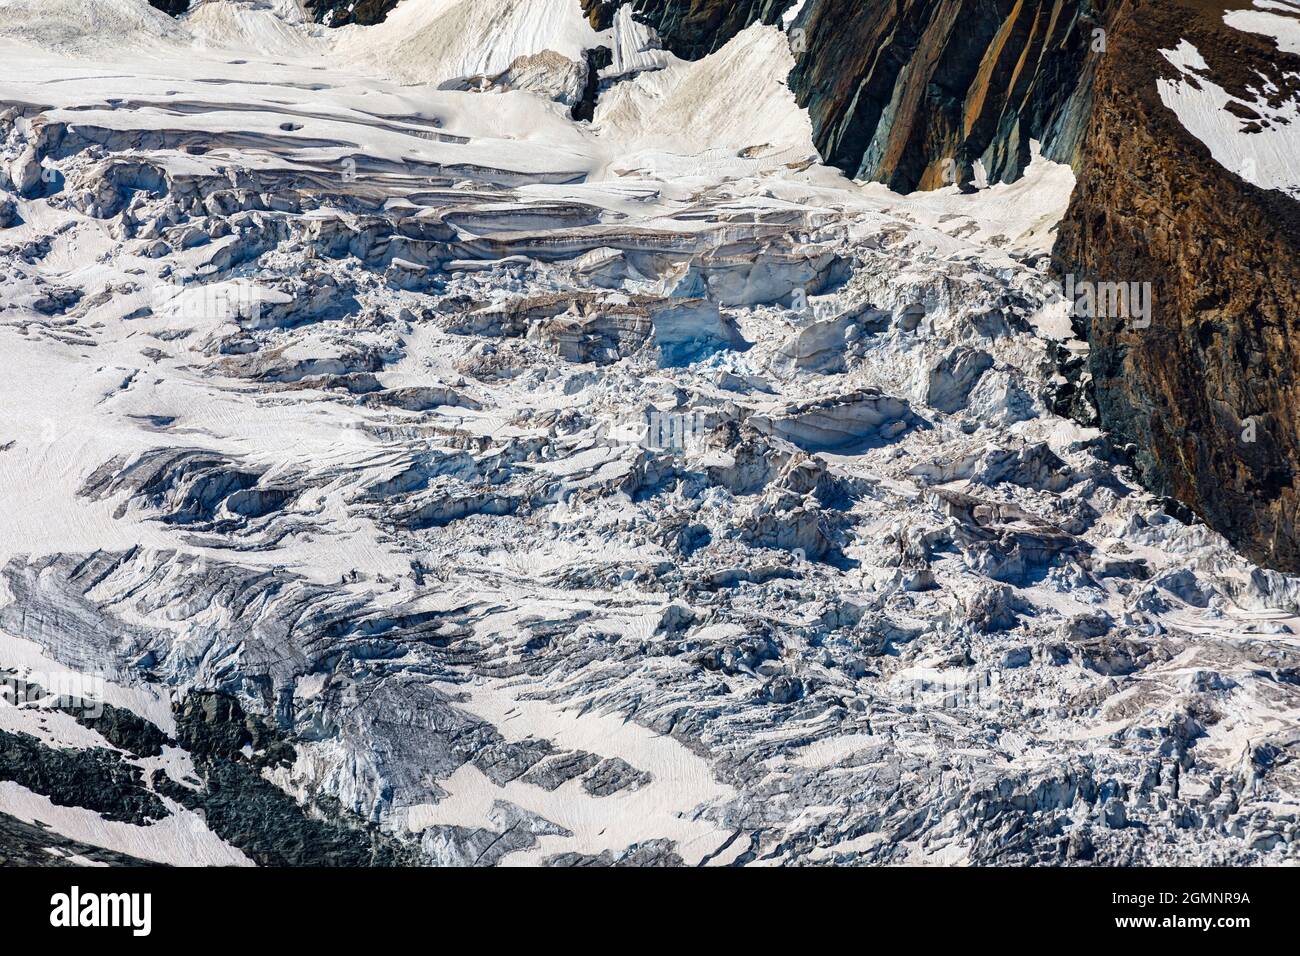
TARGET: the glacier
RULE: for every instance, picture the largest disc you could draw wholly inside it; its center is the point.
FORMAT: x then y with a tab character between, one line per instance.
417	475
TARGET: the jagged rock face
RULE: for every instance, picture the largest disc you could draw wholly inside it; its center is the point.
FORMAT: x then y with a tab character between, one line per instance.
173	7
1207	393
26	844
912	94
337	13
691	28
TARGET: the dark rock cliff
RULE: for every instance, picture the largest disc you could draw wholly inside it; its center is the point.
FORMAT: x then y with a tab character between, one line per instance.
911	94
1208	393
172	7
339	13
691	28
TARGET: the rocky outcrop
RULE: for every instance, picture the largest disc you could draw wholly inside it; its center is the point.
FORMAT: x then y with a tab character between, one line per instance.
691	28
30	844
910	94
338	13
95	778
913	94
230	748
1206	393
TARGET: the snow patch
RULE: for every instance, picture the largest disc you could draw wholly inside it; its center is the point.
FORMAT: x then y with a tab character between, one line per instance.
1285	29
1268	156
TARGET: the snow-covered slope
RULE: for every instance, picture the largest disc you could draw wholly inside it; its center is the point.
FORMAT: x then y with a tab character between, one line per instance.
433	478
435	41
1256	136
690	109
85	25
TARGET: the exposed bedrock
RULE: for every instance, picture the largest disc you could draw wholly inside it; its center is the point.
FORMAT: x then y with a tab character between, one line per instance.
691	28
33	844
381	500
913	93
94	778
173	7
338	13
1207	392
